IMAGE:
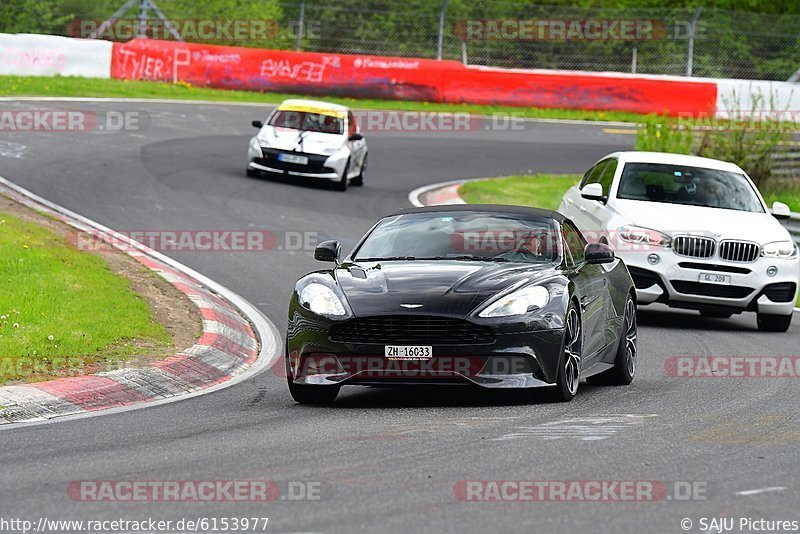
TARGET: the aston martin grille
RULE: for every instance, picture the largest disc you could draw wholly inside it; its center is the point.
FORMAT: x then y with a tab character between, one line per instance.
693	247
412	329
739	251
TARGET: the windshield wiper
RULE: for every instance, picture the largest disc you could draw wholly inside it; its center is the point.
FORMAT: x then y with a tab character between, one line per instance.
467	257
390	258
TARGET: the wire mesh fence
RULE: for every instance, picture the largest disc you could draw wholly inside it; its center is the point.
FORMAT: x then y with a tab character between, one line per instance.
675	41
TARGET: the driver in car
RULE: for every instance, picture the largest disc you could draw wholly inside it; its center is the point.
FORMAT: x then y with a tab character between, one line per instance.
710	194
529	244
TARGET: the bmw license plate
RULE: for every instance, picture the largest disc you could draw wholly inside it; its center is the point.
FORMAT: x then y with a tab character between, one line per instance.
714	278
408	352
293	158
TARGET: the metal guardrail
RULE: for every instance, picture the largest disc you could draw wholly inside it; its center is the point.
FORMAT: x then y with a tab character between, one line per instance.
786	164
793	225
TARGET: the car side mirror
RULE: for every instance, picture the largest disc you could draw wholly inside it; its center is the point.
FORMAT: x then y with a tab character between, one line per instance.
781	210
356	137
597	253
258	124
593	192
328	251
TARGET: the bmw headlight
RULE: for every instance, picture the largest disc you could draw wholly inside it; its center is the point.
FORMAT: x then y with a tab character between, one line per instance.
643	236
321	300
518	302
785	250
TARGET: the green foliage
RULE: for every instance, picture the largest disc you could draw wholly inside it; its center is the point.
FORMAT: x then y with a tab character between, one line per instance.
749	138
751	141
662	135
61	305
42	16
782	190
58	17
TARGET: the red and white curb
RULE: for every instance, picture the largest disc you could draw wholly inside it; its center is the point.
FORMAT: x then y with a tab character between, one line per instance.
237	342
444	193
437	194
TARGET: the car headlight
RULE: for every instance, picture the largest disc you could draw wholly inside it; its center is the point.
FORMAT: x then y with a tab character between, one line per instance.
321	300
518	302
643	236
785	250
255	147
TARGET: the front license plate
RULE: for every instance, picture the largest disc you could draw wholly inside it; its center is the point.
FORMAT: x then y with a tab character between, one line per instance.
408	352
292	158
713	278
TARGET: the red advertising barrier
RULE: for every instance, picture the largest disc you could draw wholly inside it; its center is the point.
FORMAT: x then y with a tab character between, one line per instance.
280	71
476	85
398	78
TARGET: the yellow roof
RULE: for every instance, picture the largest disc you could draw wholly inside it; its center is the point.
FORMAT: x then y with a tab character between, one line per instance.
310	106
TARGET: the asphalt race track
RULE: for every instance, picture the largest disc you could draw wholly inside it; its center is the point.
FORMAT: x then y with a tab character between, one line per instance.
387	460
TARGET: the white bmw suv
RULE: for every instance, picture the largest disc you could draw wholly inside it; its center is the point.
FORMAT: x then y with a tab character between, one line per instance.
694	232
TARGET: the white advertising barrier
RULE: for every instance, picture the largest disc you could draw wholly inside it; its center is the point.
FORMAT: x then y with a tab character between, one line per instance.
50	55
767	99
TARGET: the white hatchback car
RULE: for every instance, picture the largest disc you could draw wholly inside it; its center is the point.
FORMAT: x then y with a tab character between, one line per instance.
694	232
310	139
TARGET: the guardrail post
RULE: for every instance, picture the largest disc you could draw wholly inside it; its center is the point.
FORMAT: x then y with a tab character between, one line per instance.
144	7
142	32
692	31
300	23
441	29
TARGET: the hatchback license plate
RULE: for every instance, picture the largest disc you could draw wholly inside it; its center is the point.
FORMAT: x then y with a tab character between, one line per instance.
291	158
713	278
408	352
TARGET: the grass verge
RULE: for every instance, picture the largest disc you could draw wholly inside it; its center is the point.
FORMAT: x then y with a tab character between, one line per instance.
539	190
71	86
62	311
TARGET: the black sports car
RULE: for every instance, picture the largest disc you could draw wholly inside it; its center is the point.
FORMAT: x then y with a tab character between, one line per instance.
498	296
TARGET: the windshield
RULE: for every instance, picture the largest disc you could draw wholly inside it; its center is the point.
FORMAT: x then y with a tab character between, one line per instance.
307	121
693	186
468	236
